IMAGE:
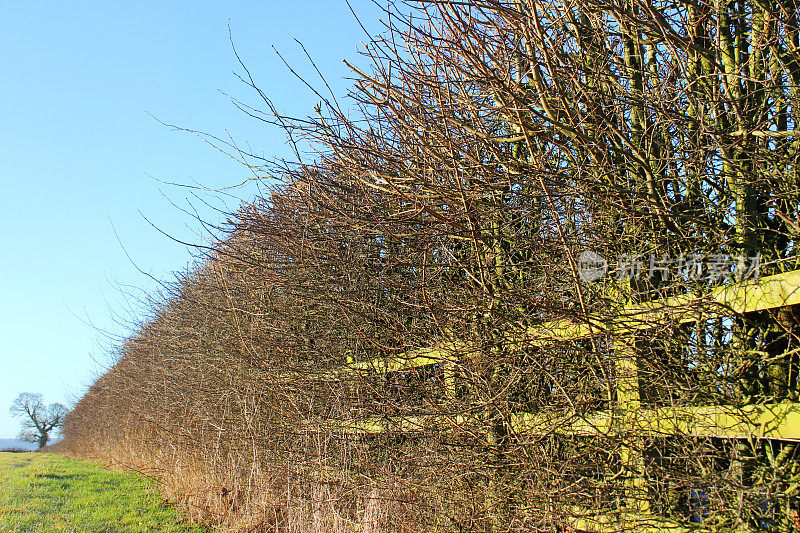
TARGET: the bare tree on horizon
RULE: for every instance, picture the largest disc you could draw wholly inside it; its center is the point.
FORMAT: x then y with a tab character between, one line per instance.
39	420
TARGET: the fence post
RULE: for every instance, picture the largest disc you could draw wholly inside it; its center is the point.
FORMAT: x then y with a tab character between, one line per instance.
632	445
449	377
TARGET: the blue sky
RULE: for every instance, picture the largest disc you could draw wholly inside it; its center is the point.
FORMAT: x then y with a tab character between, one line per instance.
82	161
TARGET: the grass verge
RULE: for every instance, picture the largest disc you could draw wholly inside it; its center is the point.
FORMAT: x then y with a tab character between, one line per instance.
45	492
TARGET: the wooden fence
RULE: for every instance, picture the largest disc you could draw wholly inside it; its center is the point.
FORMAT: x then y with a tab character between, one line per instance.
627	419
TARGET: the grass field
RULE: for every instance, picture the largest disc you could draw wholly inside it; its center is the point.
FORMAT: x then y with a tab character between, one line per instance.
45	492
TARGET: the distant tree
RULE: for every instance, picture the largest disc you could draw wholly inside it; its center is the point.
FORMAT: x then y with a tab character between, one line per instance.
38	420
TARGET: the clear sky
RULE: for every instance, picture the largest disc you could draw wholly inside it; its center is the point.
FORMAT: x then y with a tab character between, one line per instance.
81	157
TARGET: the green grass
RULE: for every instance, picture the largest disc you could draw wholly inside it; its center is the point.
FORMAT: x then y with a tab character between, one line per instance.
45	492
